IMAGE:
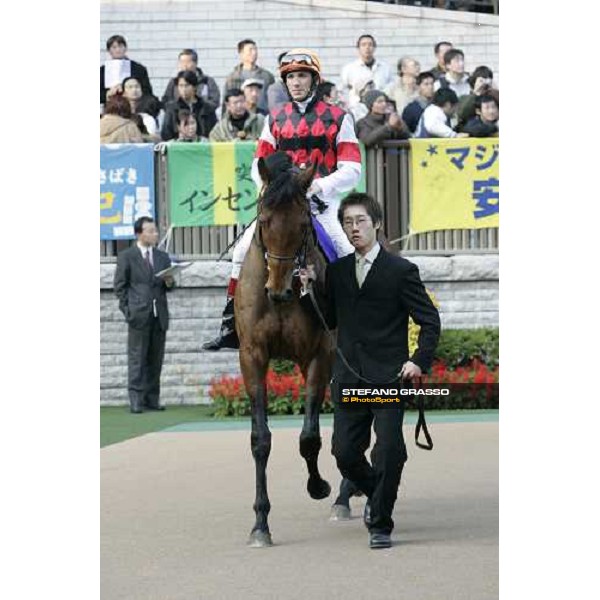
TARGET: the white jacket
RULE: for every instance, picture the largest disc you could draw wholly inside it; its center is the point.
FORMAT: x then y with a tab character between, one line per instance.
434	123
356	74
460	88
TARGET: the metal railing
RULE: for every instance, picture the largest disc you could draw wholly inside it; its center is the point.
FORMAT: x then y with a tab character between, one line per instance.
388	180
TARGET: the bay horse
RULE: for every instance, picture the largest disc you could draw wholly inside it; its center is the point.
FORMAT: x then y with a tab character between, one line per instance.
271	322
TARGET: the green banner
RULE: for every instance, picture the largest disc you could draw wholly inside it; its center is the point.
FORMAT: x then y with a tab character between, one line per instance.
210	183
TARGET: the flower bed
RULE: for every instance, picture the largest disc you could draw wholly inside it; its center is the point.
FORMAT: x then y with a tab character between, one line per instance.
286	392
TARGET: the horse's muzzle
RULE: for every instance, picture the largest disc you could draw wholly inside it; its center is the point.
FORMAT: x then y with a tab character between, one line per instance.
279	298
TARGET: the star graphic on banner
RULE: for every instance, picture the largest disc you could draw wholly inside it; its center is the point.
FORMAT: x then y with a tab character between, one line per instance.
432	150
423	163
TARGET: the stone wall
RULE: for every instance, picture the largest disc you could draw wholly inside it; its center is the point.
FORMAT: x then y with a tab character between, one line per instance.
157	30
465	285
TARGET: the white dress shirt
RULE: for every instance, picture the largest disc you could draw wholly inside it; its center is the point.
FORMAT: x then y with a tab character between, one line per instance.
143	250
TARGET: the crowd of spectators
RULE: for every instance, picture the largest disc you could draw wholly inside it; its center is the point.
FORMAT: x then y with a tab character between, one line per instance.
444	101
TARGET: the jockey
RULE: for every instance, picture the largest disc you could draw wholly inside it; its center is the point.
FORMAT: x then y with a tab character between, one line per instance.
309	131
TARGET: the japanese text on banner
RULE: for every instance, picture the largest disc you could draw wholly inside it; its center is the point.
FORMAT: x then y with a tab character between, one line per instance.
126	188
211	183
455	184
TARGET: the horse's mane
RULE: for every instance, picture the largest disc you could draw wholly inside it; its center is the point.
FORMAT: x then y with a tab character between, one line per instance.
284	187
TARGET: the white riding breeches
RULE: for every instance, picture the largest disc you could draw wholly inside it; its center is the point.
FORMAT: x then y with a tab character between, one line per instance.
329	221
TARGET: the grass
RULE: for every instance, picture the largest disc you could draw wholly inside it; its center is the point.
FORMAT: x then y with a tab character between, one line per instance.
118	424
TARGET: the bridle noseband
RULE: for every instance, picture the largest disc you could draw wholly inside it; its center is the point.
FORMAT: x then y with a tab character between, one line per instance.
299	258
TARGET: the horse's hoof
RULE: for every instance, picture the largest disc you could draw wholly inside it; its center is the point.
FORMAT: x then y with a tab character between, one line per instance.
260	539
318	488
339	512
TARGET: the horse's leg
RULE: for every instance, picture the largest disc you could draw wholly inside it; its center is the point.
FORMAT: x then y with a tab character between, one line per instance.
347	490
315	376
254	369
340	511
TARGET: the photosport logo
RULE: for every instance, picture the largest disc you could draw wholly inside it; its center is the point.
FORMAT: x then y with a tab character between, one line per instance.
393	396
385	395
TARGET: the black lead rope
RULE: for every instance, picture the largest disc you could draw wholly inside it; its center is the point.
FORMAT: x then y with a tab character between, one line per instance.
422	426
421	423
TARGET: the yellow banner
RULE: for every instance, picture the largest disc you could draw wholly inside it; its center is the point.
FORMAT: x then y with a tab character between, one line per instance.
223	171
454	184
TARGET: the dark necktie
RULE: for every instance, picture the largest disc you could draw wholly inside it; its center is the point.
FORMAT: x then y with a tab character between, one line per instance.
148	262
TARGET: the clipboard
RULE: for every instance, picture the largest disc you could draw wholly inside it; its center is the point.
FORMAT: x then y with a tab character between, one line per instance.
173	269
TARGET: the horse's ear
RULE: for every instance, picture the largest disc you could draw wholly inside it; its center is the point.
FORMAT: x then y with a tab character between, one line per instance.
308	175
263	171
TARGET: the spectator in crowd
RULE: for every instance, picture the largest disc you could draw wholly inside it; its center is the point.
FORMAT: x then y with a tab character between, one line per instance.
151	105
480	83
380	124
248	69
143	301
146	137
327	91
485	122
360	110
455	77
187	84
187	126
116	126
116	47
132	91
413	111
237	123
435	120
252	90
207	88
277	92
440	50
404	89
365	67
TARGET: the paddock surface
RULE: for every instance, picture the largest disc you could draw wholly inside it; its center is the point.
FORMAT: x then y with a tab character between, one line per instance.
176	510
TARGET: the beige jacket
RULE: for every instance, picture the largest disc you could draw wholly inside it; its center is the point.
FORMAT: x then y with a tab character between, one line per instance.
117	130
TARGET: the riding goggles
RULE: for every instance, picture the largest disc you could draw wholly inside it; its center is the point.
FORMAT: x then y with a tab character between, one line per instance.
299	59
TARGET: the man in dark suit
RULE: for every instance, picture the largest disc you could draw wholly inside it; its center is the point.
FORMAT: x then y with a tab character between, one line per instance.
116	46
143	301
369	296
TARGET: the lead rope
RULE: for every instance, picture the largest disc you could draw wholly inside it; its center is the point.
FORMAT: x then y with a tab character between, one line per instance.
421	423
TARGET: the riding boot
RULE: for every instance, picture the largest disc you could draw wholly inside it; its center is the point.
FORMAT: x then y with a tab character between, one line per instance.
227	337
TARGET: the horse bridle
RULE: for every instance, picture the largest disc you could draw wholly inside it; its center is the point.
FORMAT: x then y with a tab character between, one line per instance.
299	258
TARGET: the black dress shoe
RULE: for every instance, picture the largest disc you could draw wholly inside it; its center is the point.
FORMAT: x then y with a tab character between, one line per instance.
154	407
136	410
380	540
367	514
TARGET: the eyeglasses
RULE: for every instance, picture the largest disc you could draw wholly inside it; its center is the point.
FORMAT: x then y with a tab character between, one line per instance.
360	221
301	59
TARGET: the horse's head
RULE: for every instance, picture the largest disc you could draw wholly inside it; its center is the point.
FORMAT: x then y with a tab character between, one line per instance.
284	220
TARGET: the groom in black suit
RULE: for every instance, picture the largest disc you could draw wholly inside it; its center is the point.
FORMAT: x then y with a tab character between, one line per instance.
143	302
369	296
